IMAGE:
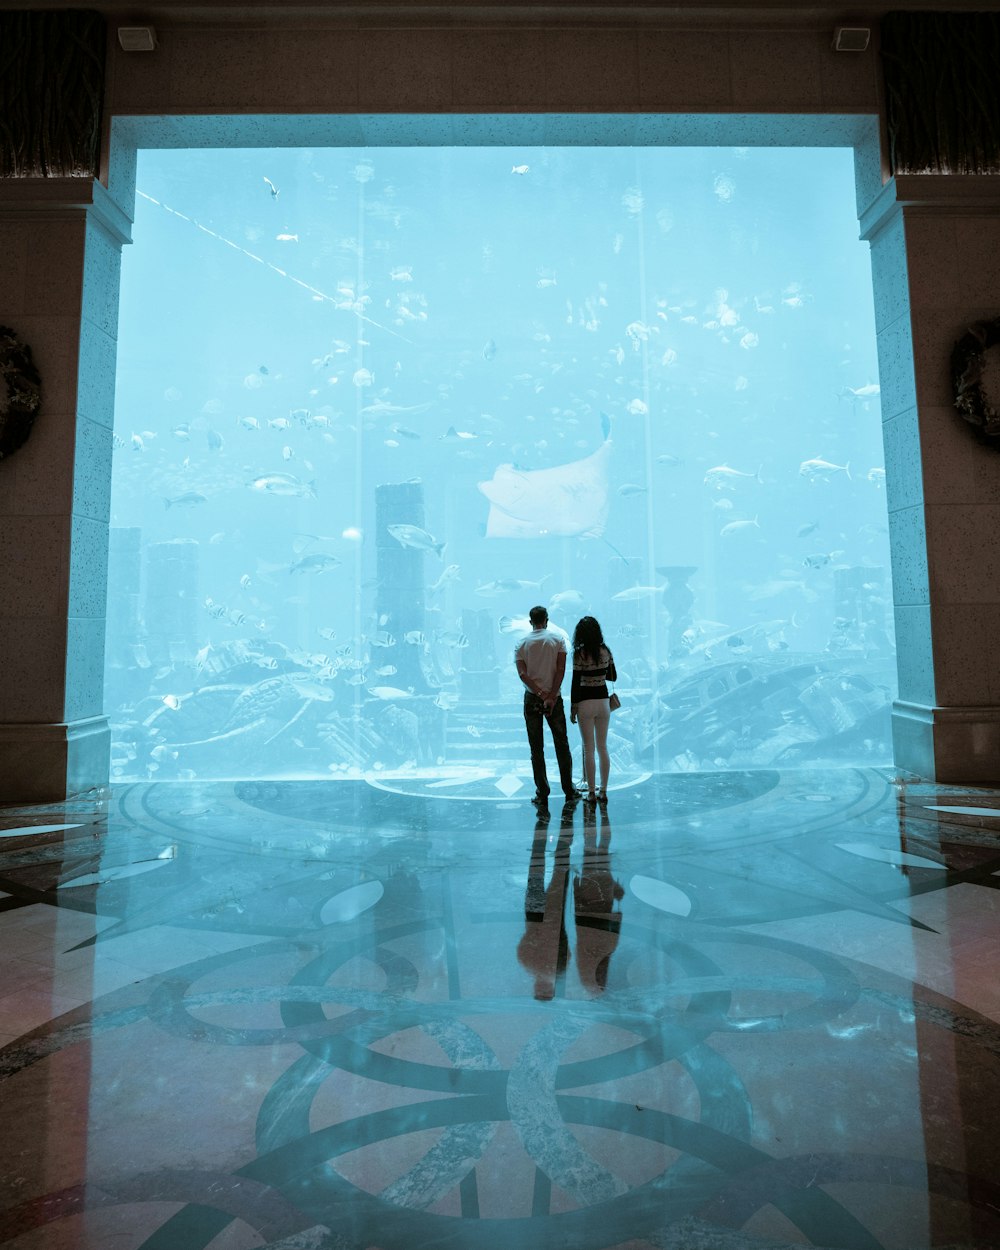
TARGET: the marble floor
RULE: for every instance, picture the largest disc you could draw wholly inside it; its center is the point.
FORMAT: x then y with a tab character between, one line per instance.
734	1010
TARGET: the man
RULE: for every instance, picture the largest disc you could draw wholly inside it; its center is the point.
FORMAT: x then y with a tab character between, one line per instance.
541	665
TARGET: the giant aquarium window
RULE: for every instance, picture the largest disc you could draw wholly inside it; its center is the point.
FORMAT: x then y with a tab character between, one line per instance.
373	406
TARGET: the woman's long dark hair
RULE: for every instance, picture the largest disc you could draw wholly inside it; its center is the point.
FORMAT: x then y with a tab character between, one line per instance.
587	638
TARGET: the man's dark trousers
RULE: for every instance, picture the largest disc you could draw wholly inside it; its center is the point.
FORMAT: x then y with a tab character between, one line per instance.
534	715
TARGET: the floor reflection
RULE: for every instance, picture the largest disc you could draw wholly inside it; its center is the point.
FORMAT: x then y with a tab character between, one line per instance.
762	1012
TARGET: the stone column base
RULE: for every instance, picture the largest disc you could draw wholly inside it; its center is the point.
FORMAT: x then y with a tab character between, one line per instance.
44	763
951	745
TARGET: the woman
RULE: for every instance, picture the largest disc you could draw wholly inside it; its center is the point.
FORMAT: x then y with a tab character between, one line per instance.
593	668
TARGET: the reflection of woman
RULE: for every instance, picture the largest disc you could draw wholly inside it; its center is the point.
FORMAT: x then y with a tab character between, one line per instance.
595	893
593	668
544	949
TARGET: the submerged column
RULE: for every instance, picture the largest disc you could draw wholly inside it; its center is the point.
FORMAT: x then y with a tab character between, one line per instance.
935	240
60	253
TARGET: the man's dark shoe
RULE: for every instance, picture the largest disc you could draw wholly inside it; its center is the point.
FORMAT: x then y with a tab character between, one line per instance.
574	795
540	800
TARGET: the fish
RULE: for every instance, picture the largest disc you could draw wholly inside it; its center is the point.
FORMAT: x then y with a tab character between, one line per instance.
137	443
809	528
352	534
489	349
401	273
316	563
515	625
876	476
637	408
383	639
667	458
735	527
363	377
519	169
215	610
724	505
183	432
413	536
171	701
631	488
284	484
279	423
390	692
820	468
542	283
273	189
635	593
567	601
452	638
287	453
864	392
387	670
287	238
402	431
327	633
187	500
382	408
249	423
215	440
723	474
245	581
415	638
454	435
451	574
570	500
507	586
820	559
446	700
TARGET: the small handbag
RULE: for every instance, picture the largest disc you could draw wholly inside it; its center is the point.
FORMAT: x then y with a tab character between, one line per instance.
614	702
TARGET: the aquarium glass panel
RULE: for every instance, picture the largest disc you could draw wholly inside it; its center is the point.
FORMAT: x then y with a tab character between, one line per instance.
372	406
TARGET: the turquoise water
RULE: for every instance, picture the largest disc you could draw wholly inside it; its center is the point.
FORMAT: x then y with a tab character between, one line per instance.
372	406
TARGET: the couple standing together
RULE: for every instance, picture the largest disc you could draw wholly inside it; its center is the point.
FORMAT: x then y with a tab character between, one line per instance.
541	665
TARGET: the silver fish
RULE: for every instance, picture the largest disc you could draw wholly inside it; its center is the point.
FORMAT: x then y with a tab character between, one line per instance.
187	500
635	593
316	563
451	574
723	474
420	540
820	468
284	484
734	527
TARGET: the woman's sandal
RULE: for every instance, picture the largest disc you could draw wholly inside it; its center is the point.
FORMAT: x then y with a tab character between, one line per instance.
591	798
602	796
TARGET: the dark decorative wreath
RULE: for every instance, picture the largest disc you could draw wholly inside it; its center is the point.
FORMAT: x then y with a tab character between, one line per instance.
20	394
968	365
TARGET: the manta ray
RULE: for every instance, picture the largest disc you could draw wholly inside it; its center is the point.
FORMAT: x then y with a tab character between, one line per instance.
570	500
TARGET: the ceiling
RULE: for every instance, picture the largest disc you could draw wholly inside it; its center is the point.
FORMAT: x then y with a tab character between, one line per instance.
693	13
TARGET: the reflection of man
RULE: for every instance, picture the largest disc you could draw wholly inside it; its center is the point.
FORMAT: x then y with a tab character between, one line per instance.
595	893
541	665
544	949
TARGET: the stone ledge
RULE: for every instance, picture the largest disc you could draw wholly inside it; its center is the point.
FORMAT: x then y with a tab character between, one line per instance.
61	197
47	762
957	745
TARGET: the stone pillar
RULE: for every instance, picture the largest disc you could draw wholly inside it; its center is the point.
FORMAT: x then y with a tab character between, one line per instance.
60	253
935	243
